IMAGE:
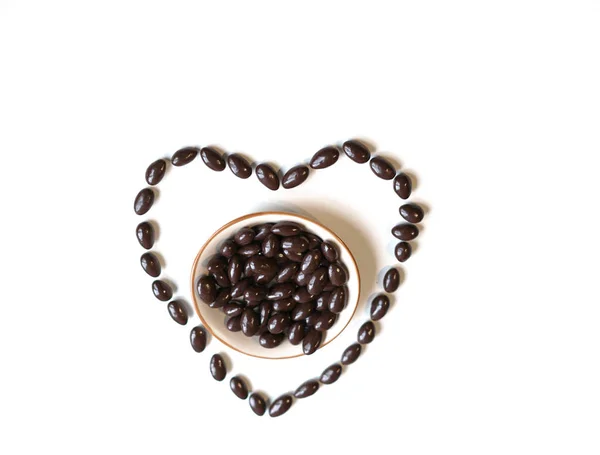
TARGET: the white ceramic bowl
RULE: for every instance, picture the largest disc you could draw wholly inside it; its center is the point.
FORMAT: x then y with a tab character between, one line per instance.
213	319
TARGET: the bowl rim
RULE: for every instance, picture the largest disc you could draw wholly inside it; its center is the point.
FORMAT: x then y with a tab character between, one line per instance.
255	215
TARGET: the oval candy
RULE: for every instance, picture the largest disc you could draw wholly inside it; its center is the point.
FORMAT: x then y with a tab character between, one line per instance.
239	166
351	354
212	158
280	406
405	231
325	157
403	185
184	156
143	201
356	151
382	168
162	291
412	213
150	264
331	374
267	176
296	176
177	312
379	307
156	172
145	234
198	338
217	367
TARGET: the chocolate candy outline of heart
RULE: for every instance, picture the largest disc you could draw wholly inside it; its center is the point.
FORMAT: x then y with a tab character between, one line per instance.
324	158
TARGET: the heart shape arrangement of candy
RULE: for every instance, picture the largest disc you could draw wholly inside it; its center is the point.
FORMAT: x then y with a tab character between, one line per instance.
317	268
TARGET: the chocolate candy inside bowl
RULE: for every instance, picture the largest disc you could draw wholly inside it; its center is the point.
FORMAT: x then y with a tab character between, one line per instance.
275	285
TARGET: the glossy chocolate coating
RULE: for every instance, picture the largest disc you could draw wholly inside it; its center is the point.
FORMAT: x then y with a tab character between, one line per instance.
317	281
249	250
235	269
258	404
207	289
403	185
412	213
233	309
280	406
329	251
177	312
302	278
312	342
239	166
311	261
269	340
296	243
284	305
391	280
281	291
198	338
222	299
234	324
351	354
184	156
267	176
281	259
296	176
156	172
356	151
325	157
329	288
212	158
314	241
255	294
279	322
338	300
262	231
301	295
288	272
262	266
382	168
265	278
303	310
366	333
293	256
238	387
312	319
403	251
216	263
228	249
145	234
322	301
286	228
331	374
337	274
150	264
244	236
271	245
162	291
217	367
325	321
379	307
296	333
264	313
221	278
307	389
405	231
143	201
238	289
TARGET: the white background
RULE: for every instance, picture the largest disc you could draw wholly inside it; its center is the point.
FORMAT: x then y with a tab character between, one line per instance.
492	344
